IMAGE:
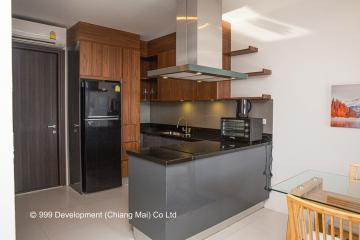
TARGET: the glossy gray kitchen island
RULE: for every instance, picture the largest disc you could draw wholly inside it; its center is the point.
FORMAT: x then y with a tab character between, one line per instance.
182	192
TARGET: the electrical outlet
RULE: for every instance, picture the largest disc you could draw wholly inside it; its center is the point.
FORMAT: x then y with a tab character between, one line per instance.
264	121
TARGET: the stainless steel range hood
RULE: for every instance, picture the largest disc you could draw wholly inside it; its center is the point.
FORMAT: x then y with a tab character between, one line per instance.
198	44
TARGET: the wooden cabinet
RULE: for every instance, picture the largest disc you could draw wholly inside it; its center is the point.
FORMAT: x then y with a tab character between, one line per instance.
109	54
85	58
205	90
112	62
175	89
100	61
167	58
130	104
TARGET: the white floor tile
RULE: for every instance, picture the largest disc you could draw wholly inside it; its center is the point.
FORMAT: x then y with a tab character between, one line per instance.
264	224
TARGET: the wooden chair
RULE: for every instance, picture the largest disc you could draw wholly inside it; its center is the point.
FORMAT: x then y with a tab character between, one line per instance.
312	221
354	172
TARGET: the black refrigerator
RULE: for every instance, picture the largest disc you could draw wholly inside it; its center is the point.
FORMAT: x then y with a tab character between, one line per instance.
100	135
94	130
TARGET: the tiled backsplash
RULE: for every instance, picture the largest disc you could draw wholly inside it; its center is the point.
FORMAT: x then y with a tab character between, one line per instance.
204	114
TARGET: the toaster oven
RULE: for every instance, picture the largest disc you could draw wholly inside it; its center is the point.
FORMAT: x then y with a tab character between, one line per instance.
242	129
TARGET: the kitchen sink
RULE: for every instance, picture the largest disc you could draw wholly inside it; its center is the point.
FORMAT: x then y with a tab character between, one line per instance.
174	133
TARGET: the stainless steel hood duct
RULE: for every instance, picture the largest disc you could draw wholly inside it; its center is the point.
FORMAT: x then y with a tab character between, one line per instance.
198	44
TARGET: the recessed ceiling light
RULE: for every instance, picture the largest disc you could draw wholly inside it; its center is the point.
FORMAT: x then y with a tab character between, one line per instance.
164	77
232	78
199	81
198	73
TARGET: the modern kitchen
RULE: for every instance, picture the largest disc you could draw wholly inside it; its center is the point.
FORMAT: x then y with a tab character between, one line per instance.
184	119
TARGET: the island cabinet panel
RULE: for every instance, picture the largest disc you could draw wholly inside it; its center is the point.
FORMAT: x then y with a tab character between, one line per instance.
203	189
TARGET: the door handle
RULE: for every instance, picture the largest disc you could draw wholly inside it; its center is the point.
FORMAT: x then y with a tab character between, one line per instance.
76	126
53	127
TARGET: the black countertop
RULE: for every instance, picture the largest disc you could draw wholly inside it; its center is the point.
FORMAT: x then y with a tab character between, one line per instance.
203	143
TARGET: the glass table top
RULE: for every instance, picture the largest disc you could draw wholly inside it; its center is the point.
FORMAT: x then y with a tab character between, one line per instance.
331	189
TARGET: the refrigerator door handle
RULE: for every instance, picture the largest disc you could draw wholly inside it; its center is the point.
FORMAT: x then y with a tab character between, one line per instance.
91	117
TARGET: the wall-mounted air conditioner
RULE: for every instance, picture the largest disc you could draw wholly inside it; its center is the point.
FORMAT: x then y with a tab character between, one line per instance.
38	33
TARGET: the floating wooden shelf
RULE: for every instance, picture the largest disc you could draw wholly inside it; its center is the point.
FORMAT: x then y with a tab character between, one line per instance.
263	97
263	72
248	50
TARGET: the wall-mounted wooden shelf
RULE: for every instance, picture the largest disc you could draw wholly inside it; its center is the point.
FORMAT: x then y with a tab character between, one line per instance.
248	50
263	72
263	97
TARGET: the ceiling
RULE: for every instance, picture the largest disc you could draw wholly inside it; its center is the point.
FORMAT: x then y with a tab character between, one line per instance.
155	18
149	18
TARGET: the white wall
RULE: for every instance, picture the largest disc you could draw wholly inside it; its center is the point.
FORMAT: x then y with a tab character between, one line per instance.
311	45
7	210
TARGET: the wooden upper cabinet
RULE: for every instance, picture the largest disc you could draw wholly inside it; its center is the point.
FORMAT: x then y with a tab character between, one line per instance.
167	58
85	58
205	90
175	89
112	62
97	59
100	61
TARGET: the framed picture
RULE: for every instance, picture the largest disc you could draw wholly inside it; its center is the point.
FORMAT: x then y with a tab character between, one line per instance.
345	106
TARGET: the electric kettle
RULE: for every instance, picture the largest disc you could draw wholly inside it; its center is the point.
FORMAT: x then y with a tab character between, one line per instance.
243	108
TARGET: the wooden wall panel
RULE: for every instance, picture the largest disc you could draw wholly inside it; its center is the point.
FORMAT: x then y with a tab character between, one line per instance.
112	62
109	58
167	58
135	87
96	59
131	82
205	90
143	48
131	133
118	64
162	44
85	58
91	32
223	89
226	27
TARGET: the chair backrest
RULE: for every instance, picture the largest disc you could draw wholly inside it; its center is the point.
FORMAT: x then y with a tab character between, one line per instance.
354	171
312	221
